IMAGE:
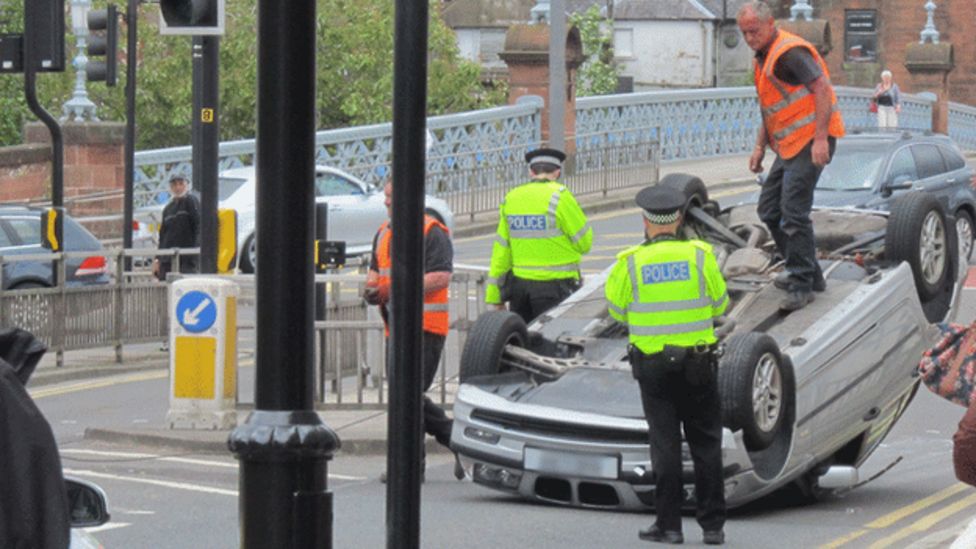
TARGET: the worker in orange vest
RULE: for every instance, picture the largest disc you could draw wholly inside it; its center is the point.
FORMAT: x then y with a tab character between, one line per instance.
438	265
801	123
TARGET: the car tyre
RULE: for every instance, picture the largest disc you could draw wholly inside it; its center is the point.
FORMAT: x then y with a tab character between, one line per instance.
916	233
487	340
692	187
249	254
965	232
754	388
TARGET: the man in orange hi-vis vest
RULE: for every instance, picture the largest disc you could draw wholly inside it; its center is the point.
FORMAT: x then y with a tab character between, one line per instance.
438	265
801	122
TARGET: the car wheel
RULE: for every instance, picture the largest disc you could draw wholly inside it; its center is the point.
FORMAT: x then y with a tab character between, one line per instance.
249	254
693	188
964	230
753	388
487	340
916	233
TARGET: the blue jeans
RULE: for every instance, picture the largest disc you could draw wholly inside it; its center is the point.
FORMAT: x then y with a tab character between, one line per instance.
784	206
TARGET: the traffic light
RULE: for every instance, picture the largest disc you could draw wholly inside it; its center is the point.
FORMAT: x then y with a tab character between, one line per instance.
200	17
103	41
52	229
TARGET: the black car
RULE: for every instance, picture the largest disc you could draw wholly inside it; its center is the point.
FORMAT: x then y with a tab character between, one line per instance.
20	234
870	169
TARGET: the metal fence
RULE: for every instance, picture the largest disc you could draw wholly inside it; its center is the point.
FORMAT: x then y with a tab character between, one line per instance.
134	308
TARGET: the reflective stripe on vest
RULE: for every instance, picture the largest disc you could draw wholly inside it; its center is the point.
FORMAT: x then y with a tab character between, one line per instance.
684	321
540	249
789	112
435	303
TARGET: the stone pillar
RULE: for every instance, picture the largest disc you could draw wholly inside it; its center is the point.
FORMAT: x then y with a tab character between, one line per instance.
94	163
929	65
816	31
527	55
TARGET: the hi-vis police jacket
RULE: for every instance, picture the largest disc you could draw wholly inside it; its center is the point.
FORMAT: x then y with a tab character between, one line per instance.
667	292
542	234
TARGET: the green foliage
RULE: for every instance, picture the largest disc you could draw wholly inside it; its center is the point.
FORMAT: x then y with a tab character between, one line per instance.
598	74
354	66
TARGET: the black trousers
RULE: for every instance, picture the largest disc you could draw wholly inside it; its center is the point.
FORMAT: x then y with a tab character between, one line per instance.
671	401
531	298
784	206
436	422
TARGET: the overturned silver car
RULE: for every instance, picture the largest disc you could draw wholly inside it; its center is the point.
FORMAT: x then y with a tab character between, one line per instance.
552	413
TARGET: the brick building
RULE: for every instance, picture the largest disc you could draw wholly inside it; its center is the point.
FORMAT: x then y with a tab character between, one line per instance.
869	36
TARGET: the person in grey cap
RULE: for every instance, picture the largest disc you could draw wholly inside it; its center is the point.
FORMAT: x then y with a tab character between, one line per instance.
668	291
542	235
180	228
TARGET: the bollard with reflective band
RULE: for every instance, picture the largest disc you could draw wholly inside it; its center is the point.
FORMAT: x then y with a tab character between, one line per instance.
203	354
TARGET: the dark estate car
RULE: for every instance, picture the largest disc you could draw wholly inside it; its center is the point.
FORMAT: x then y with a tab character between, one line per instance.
20	234
869	170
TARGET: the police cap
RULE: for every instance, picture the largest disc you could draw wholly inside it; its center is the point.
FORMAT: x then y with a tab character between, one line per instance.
547	156
662	205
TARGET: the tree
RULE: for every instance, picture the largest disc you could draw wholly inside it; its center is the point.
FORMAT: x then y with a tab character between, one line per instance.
354	82
598	73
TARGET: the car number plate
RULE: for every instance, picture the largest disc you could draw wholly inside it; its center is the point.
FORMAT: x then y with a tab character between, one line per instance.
571	464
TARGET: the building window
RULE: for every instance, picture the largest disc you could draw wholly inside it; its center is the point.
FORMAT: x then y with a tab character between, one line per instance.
623	43
861	35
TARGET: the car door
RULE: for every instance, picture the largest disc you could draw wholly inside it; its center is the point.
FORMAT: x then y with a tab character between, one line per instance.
958	177
901	169
354	213
931	168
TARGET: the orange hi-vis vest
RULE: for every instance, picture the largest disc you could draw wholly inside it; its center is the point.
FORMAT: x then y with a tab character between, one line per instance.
435	303
788	111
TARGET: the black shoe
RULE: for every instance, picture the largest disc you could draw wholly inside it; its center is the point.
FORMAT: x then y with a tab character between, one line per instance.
662	536
796	300
713	537
782	281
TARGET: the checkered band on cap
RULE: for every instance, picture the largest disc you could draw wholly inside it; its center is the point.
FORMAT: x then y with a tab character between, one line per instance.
662	219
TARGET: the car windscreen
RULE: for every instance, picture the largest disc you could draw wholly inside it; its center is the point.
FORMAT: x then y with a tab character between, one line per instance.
853	168
226	186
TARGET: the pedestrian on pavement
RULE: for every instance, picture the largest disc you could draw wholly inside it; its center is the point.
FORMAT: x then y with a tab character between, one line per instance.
438	266
667	291
801	123
180	228
888	99
542	234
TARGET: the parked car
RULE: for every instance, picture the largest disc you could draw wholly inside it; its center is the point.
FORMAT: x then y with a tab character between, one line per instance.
869	170
356	210
550	411
20	234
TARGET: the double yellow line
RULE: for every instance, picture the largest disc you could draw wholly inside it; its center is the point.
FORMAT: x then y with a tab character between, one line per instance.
920	525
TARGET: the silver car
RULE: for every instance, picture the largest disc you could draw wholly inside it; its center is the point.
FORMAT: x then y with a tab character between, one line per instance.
550	411
356	210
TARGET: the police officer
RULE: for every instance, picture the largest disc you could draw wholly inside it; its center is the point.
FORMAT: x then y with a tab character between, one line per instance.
668	291
542	234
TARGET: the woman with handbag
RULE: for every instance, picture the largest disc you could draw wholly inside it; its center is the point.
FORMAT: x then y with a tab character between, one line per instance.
886	101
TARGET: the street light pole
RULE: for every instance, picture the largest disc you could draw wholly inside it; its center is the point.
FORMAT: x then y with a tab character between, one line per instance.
404	427
284	446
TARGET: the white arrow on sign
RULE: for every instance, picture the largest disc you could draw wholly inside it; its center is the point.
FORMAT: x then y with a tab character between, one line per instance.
190	317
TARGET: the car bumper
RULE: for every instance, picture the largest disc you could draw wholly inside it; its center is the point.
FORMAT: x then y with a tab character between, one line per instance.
602	465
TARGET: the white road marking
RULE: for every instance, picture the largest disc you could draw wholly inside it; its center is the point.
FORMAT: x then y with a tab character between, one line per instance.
107	526
173	459
154	482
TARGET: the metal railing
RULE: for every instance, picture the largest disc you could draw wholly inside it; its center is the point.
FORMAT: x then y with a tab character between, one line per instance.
133	308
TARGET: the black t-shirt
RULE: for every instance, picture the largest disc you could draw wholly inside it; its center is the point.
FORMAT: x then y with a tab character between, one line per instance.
438	252
795	67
